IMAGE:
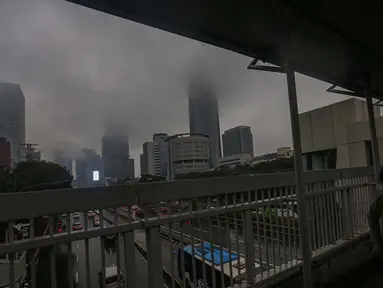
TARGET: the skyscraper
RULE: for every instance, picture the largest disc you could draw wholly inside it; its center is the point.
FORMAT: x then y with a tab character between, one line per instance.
238	140
160	154
204	118
12	117
89	169
147	159
115	155
62	159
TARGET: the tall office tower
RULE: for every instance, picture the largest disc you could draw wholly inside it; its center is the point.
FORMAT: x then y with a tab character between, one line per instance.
147	159
160	154
61	158
203	116
115	155
12	117
238	140
89	169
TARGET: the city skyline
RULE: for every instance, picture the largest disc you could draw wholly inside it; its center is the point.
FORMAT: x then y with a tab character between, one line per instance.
66	73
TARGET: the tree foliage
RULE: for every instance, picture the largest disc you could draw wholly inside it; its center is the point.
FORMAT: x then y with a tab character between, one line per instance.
151	178
35	175
278	165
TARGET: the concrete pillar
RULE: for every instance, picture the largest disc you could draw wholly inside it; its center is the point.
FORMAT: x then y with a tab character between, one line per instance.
304	227
373	135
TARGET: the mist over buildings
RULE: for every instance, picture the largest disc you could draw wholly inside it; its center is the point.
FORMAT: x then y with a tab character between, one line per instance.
85	73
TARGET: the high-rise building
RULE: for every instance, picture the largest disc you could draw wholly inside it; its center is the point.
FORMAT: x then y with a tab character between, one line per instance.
5	153
115	155
160	154
12	117
64	160
188	153
204	118
89	170
147	159
238	140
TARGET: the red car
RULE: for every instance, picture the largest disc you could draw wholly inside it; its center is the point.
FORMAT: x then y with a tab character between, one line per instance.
77	226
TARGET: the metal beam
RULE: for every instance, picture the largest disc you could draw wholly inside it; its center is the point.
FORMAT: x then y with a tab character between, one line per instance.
254	66
378	103
332	89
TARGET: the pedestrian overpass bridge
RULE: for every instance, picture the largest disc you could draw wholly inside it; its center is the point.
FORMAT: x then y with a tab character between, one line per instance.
301	228
254	216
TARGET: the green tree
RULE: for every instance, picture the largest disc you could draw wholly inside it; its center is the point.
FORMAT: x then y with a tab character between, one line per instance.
274	166
6	181
33	176
40	175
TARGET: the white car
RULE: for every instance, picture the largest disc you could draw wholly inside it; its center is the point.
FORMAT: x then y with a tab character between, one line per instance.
76	215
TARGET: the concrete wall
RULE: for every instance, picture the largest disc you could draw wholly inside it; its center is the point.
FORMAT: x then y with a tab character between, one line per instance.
325	128
357	134
342	126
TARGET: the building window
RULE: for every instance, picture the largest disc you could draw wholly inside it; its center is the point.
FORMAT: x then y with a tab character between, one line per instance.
320	160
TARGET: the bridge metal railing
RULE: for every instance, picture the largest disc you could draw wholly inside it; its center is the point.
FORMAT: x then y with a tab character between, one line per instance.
220	232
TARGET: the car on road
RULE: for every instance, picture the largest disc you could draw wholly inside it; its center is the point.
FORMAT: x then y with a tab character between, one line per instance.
77	226
76	215
91	213
96	221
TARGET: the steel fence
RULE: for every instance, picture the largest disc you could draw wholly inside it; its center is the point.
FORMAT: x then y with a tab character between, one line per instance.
217	232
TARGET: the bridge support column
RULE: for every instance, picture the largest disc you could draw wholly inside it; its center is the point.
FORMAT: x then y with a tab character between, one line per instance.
304	228
154	259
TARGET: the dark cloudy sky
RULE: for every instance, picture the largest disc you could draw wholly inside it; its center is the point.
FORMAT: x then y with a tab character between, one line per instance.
81	69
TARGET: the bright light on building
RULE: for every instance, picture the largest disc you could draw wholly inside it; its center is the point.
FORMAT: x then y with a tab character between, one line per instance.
96	176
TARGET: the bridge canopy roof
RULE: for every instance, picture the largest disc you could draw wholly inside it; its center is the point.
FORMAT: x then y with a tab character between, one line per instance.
337	41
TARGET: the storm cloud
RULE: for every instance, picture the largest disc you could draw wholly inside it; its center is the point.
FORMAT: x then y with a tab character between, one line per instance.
83	72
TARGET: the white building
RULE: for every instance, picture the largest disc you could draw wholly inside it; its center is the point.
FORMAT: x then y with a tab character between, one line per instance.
234	160
338	136
188	154
12	117
147	159
29	153
282	152
285	152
